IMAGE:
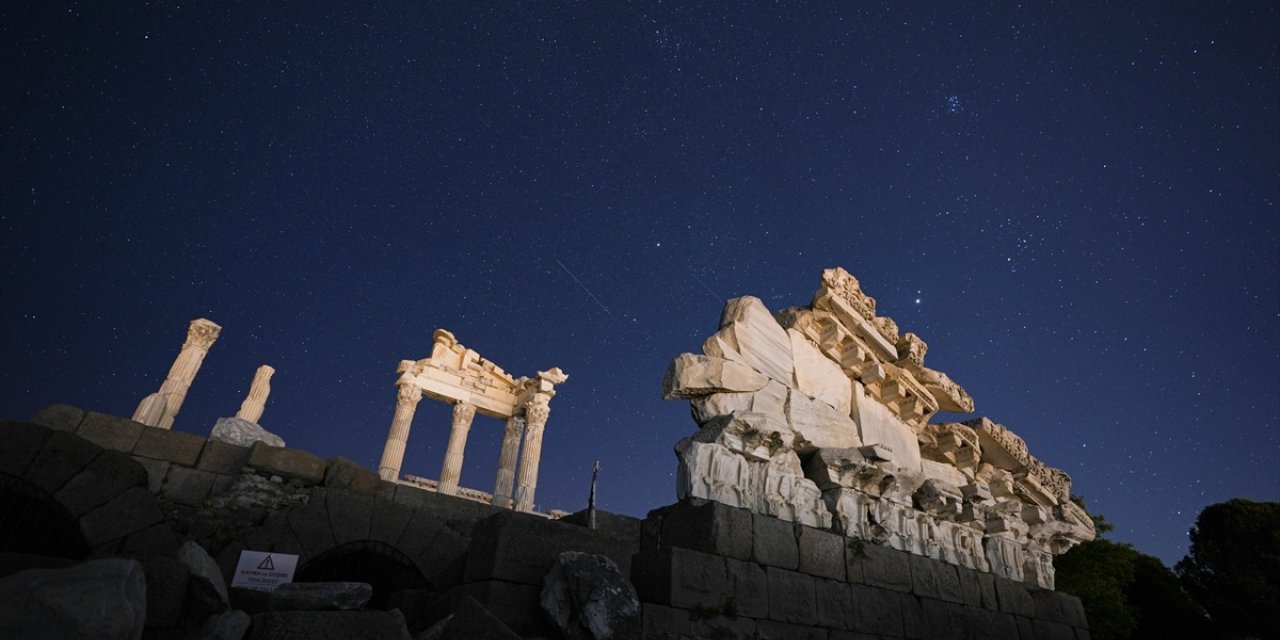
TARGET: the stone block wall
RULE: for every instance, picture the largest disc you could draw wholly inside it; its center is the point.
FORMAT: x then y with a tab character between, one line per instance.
707	569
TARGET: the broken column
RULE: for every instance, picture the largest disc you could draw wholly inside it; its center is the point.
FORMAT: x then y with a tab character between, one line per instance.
506	479
451	472
253	405
160	408
407	398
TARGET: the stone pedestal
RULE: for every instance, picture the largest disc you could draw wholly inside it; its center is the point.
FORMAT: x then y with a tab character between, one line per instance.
407	398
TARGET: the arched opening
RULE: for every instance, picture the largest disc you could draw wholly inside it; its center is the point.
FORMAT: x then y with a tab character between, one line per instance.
33	522
381	565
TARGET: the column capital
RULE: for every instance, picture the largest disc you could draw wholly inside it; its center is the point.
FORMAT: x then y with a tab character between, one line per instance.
408	395
463	413
536	413
201	334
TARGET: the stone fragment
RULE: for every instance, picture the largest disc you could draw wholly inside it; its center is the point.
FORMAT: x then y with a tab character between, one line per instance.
174	446
749	334
320	596
368	624
228	625
110	474
166	589
206	588
755	436
62	417
97	599
817	376
818	426
692	375
587	597
243	433
287	463
110	432
341	473
769	400
877	425
472	621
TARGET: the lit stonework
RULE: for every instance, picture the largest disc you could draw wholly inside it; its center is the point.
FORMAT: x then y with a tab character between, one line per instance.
253	405
459	376
160	408
845	391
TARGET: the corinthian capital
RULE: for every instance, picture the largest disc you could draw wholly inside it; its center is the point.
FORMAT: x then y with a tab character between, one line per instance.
407	394
201	334
536	413
463	413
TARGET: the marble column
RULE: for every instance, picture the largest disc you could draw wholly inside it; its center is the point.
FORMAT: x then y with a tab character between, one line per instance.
159	409
256	401
451	472
407	398
536	414
507	462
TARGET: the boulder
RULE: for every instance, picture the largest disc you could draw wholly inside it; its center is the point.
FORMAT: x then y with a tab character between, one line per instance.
206	588
691	375
241	432
104	599
589	599
228	625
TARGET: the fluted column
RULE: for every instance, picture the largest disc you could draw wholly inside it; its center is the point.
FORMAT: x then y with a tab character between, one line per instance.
536	414
253	405
507	462
159	409
451	472
407	397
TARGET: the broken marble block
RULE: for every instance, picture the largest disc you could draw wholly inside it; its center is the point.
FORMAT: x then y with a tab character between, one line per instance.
241	432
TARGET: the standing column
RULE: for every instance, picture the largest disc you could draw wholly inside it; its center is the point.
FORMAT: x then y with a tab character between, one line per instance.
159	409
536	414
407	397
256	401
507	462
451	473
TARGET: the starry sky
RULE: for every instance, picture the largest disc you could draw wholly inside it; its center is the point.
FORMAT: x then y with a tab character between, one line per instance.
1074	204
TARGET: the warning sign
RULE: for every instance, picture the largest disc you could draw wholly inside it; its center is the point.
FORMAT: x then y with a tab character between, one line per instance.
264	571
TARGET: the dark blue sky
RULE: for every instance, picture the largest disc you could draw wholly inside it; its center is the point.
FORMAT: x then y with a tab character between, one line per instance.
1074	204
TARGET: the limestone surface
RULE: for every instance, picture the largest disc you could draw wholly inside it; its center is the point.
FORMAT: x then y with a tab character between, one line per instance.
244	433
848	392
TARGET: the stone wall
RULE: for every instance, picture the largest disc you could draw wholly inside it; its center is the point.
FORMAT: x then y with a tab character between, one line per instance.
709	570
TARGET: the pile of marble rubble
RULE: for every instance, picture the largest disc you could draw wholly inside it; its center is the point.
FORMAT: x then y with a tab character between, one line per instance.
820	415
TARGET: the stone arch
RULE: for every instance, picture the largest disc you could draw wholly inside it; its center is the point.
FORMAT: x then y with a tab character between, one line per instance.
103	492
381	565
33	523
336	521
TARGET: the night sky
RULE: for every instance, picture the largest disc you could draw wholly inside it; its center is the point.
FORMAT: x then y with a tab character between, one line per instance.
1074	204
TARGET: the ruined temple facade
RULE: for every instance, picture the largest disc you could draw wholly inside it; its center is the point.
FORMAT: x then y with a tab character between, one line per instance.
820	415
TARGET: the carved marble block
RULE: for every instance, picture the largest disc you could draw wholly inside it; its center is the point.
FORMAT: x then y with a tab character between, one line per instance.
821	415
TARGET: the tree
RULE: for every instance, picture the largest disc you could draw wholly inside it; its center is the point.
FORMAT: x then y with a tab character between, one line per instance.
1233	568
1127	595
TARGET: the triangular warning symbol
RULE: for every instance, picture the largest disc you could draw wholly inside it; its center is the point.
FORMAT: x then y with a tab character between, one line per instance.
266	564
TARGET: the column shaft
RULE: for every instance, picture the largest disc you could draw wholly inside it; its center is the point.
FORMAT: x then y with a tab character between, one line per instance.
536	415
505	481
201	335
407	397
451	472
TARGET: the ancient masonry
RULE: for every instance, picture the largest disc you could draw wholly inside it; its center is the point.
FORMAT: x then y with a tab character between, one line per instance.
816	501
459	376
820	416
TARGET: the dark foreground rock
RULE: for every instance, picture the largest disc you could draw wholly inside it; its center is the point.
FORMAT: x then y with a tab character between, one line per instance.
589	599
104	599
